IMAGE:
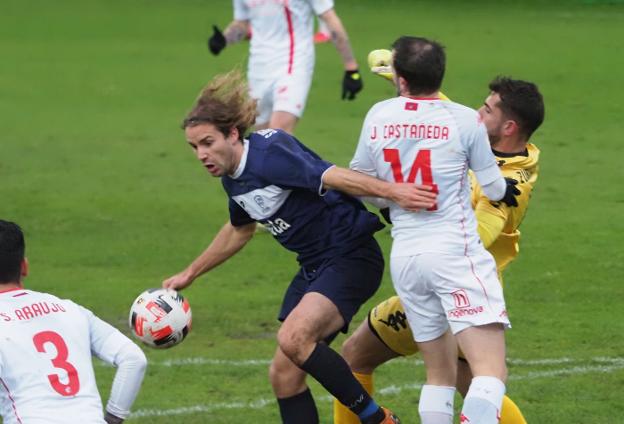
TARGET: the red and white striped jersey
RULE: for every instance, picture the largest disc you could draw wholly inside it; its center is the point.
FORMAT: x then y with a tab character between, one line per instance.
282	34
46	371
432	142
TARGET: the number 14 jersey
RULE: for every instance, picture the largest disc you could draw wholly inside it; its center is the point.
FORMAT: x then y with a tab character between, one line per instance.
433	142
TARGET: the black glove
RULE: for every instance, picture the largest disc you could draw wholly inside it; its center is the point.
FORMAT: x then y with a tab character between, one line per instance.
385	212
510	193
351	84
217	42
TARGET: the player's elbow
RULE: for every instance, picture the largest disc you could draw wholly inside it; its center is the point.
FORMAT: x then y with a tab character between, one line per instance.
132	357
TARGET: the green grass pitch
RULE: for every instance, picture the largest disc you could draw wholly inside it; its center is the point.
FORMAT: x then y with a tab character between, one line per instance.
95	168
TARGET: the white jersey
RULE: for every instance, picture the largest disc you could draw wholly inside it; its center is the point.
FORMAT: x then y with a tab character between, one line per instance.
46	372
282	34
433	142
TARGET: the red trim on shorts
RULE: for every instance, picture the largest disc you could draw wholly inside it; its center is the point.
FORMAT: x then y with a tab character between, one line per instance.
463	225
291	35
12	400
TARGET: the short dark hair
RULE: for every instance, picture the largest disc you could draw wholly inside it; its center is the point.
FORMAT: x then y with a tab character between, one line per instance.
11	252
521	101
421	62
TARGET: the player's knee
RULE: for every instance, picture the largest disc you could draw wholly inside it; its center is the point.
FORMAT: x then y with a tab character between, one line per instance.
293	343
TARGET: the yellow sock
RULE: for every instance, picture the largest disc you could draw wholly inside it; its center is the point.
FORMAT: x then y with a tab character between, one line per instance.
342	414
510	413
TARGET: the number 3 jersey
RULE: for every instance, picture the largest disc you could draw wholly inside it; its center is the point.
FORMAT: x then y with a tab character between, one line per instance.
46	372
279	183
433	142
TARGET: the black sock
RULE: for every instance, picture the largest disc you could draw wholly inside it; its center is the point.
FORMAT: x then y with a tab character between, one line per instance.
298	409
333	372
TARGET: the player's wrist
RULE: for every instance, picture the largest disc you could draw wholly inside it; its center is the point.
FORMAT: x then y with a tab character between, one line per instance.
351	66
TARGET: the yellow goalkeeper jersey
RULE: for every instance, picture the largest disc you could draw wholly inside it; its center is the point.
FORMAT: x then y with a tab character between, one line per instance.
498	223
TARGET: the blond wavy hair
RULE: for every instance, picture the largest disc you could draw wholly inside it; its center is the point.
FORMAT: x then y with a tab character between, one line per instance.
225	103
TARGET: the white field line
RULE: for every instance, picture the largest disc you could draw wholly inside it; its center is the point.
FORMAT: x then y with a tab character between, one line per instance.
197	361
607	365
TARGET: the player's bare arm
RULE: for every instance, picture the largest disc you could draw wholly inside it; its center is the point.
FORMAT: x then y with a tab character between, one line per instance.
236	31
411	197
228	241
340	39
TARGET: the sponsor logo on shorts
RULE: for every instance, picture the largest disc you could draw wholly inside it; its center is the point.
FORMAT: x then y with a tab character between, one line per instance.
461	298
459	313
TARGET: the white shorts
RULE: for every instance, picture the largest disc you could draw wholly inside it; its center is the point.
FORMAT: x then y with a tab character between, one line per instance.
287	93
441	290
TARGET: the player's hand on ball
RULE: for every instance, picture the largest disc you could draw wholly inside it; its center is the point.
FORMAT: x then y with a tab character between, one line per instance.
178	281
380	63
217	42
351	84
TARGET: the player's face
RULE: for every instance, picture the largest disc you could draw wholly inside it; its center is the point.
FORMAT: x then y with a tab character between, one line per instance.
218	153
493	117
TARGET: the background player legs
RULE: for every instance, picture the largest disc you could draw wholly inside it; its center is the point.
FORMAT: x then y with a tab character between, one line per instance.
279	120
484	347
364	352
283	120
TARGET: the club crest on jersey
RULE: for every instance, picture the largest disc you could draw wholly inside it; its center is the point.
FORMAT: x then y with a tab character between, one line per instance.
260	202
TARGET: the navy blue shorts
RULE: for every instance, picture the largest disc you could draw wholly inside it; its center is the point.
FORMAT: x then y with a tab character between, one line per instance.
348	281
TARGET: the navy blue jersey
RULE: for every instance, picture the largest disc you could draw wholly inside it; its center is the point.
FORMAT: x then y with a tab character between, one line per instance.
279	183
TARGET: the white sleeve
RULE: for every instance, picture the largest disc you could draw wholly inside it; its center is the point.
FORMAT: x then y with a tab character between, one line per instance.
321	6
363	162
481	159
108	344
495	190
131	364
241	11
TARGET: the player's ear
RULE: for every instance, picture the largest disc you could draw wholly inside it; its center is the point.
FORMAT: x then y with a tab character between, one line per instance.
24	267
234	134
510	127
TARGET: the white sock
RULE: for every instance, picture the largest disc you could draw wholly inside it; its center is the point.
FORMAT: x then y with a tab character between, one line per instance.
483	401
436	404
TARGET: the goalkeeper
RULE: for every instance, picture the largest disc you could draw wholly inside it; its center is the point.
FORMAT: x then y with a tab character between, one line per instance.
511	113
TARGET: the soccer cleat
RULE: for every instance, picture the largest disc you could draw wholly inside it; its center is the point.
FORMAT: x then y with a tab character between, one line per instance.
389	417
321	37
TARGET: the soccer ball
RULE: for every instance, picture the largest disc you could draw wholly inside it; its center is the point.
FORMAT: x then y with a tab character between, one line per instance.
160	318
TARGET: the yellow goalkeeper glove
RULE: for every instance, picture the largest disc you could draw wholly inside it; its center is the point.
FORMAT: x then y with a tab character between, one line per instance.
379	62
